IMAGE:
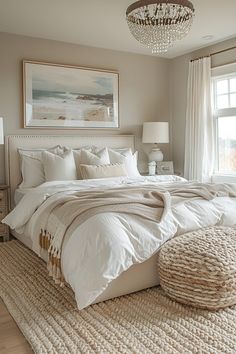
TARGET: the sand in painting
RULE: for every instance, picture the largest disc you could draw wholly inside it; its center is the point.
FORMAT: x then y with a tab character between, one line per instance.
72	94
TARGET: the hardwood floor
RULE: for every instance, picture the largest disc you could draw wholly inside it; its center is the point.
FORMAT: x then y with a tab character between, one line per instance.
12	340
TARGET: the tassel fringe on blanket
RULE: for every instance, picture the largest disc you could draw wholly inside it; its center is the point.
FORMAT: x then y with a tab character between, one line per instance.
54	257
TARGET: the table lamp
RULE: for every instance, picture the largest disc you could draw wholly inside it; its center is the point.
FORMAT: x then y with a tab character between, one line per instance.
156	133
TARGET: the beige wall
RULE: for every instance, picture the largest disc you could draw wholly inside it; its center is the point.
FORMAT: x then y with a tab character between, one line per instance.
143	85
178	93
150	88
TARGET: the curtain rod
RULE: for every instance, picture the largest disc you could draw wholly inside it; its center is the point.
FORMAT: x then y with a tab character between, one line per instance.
215	53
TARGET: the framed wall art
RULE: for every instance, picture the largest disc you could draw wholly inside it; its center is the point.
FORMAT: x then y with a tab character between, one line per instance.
63	96
165	168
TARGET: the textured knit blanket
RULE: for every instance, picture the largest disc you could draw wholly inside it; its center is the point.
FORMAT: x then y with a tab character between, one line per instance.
149	202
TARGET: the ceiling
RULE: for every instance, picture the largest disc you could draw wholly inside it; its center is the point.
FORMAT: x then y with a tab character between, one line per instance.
101	23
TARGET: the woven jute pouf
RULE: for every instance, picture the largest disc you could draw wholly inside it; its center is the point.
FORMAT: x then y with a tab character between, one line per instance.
199	268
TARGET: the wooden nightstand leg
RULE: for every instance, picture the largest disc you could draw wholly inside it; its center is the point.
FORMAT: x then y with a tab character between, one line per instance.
6	238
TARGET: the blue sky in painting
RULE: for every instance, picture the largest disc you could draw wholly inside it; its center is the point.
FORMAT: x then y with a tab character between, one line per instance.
105	83
71	80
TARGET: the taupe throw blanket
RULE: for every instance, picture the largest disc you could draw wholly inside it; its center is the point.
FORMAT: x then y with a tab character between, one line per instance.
150	202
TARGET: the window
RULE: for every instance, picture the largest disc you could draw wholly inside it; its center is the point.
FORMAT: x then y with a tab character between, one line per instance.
224	101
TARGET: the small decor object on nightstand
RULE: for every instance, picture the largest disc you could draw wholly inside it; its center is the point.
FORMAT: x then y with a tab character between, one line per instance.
156	133
152	168
165	168
4	229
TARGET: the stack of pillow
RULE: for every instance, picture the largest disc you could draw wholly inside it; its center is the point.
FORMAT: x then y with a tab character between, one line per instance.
61	164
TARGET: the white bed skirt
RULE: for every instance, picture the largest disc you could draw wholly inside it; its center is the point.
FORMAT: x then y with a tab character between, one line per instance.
137	277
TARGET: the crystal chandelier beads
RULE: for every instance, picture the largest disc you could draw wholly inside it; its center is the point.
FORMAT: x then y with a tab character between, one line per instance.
158	24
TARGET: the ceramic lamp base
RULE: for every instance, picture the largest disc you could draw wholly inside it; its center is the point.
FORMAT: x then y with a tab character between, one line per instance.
155	155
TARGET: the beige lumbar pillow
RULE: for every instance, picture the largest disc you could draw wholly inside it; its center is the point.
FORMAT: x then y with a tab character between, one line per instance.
102	171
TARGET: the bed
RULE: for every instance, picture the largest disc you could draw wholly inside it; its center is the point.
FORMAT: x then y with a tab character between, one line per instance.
141	273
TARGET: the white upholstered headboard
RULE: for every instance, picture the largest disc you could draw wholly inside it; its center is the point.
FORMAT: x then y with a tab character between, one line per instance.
14	142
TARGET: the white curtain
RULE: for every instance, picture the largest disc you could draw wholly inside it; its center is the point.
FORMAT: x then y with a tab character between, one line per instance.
199	134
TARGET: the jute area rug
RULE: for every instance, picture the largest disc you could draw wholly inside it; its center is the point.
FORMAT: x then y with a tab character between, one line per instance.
145	322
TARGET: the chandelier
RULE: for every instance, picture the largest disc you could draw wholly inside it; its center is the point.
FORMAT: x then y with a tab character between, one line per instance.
158	24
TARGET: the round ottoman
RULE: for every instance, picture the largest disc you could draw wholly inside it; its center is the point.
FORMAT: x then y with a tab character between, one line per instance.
199	268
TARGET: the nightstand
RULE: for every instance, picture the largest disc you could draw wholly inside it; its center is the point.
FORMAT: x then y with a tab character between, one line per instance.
4	229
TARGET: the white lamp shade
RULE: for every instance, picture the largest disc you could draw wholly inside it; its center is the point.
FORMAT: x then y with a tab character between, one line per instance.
1	132
156	132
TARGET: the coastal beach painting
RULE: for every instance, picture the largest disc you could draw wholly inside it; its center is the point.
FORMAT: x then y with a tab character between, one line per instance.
61	96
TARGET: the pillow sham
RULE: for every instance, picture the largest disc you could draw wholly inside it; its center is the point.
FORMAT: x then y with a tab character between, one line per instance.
32	170
128	159
120	150
59	167
87	157
123	151
100	157
77	157
102	171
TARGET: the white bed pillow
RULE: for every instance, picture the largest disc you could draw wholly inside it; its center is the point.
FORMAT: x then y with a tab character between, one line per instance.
59	167
86	157
77	157
123	151
32	170
102	171
98	157
128	159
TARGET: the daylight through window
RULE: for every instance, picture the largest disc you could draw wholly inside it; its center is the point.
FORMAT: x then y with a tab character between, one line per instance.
224	89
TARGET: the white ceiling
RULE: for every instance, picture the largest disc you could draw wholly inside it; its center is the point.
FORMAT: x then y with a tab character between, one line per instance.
101	23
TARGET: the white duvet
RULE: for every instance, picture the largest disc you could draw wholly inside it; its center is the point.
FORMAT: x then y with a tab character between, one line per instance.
107	244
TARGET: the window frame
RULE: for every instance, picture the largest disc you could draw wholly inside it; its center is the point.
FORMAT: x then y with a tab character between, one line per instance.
227	77
221	73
